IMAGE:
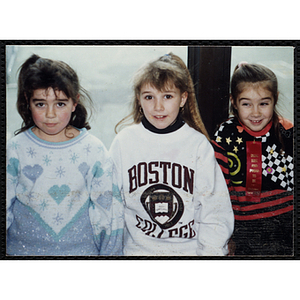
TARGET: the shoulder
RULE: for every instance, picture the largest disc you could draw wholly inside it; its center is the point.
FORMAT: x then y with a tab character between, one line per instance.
194	139
226	132
231	126
286	124
286	128
188	132
90	137
130	132
93	144
18	140
231	123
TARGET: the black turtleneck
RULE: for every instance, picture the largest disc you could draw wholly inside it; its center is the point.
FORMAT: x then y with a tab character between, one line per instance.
173	127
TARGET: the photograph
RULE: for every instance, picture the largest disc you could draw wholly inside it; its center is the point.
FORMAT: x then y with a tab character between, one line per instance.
149	151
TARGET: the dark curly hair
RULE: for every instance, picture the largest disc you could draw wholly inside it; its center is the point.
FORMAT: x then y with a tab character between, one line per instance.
42	73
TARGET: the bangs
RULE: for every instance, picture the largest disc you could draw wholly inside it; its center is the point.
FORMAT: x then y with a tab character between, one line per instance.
162	86
47	74
162	77
266	84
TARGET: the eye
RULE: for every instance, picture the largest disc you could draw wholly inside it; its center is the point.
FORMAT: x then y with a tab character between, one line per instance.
168	96
264	103
39	104
61	104
245	104
148	97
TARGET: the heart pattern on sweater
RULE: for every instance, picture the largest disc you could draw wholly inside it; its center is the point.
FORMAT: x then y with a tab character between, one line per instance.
59	193
13	166
105	200
83	168
33	173
97	170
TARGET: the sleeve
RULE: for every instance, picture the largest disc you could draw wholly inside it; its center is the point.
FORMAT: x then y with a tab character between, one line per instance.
222	161
287	138
115	153
106	210
213	206
12	175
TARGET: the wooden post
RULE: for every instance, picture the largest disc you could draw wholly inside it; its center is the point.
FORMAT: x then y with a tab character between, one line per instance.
210	70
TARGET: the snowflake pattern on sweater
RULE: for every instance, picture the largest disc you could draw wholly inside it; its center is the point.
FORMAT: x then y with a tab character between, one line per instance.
62	198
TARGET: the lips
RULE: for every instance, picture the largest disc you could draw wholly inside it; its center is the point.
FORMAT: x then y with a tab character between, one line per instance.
159	117
50	124
256	122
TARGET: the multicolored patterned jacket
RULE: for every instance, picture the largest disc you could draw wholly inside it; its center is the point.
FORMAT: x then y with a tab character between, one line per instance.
257	169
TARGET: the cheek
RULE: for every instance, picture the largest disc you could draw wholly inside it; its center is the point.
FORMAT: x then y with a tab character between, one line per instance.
271	112
145	106
36	116
65	116
241	111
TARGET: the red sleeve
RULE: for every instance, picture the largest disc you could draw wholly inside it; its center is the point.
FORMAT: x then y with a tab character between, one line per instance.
222	160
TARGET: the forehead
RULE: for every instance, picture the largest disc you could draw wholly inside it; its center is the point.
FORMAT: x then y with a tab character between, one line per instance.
48	93
168	86
255	86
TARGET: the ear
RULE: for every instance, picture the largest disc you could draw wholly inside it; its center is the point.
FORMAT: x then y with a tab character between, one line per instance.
232	102
184	97
27	100
275	100
74	106
138	101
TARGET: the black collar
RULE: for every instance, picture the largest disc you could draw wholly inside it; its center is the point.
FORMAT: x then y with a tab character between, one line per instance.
173	127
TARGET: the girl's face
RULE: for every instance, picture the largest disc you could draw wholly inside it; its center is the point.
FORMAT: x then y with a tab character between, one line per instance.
51	112
255	106
161	108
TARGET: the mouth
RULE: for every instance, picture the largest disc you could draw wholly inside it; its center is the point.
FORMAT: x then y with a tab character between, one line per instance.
159	117
50	124
256	122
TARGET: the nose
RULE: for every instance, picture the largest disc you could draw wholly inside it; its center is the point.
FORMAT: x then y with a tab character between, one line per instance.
255	111
158	105
50	112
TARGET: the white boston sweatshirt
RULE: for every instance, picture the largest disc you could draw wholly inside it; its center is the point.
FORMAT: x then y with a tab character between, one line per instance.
175	196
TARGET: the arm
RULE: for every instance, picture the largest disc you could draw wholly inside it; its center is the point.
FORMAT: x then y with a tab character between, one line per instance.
213	207
222	161
12	174
106	211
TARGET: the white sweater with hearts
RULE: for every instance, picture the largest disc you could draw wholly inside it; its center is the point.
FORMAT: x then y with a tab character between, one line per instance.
61	197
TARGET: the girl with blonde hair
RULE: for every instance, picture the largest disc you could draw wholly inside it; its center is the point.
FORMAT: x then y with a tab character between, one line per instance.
175	196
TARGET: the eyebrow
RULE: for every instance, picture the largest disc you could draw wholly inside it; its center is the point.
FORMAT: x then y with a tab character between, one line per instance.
262	99
60	100
149	92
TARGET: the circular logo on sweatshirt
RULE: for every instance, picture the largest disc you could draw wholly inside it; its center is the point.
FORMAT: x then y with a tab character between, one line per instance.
163	205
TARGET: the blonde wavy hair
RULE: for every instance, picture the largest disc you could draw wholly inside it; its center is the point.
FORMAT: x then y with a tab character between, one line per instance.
164	72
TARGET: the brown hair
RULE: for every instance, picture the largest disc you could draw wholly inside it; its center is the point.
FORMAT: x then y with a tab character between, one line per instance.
257	75
41	73
167	70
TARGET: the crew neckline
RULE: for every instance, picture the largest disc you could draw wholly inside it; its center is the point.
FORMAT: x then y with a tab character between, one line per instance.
257	133
33	135
171	128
